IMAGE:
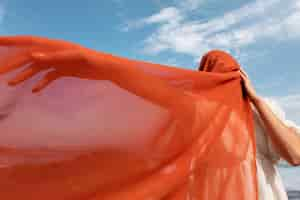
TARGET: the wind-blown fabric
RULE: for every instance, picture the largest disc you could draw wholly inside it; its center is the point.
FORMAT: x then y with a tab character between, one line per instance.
93	140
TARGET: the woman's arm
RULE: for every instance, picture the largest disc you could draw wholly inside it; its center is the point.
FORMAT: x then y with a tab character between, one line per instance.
285	139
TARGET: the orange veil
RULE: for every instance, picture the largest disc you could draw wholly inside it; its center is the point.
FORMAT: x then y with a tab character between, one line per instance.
92	140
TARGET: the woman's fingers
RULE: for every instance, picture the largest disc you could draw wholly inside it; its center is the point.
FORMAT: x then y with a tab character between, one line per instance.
243	76
26	74
40	61
244	73
48	78
15	63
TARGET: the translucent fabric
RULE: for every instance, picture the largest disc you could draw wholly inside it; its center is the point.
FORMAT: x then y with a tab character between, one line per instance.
94	140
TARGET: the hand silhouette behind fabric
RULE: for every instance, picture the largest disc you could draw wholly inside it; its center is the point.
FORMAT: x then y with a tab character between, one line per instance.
65	59
148	142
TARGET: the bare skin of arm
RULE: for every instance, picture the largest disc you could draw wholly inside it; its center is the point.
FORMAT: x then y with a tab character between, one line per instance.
285	139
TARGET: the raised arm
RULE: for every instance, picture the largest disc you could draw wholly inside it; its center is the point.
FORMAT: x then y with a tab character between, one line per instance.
286	140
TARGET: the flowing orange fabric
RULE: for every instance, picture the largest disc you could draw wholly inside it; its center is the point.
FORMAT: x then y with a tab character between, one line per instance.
184	135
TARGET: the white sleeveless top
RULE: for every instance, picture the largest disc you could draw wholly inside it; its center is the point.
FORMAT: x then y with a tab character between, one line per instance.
269	180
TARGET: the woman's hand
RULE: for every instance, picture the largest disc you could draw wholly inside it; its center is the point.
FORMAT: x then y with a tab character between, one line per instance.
248	87
64	58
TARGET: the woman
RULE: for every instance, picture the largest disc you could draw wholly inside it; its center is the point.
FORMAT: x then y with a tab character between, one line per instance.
276	138
285	139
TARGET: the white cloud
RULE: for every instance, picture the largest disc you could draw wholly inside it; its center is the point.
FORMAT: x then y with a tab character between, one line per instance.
189	4
261	19
168	15
290	104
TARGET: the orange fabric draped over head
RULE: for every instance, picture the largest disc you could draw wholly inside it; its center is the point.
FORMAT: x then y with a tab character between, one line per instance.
92	139
218	61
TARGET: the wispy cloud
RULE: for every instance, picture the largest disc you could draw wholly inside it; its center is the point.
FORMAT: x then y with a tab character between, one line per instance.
189	4
174	30
289	106
261	19
167	15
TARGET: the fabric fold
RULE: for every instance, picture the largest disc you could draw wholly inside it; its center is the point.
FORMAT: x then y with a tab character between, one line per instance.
91	139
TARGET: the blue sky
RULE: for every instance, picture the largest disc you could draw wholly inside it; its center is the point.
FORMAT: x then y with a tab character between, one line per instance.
264	35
